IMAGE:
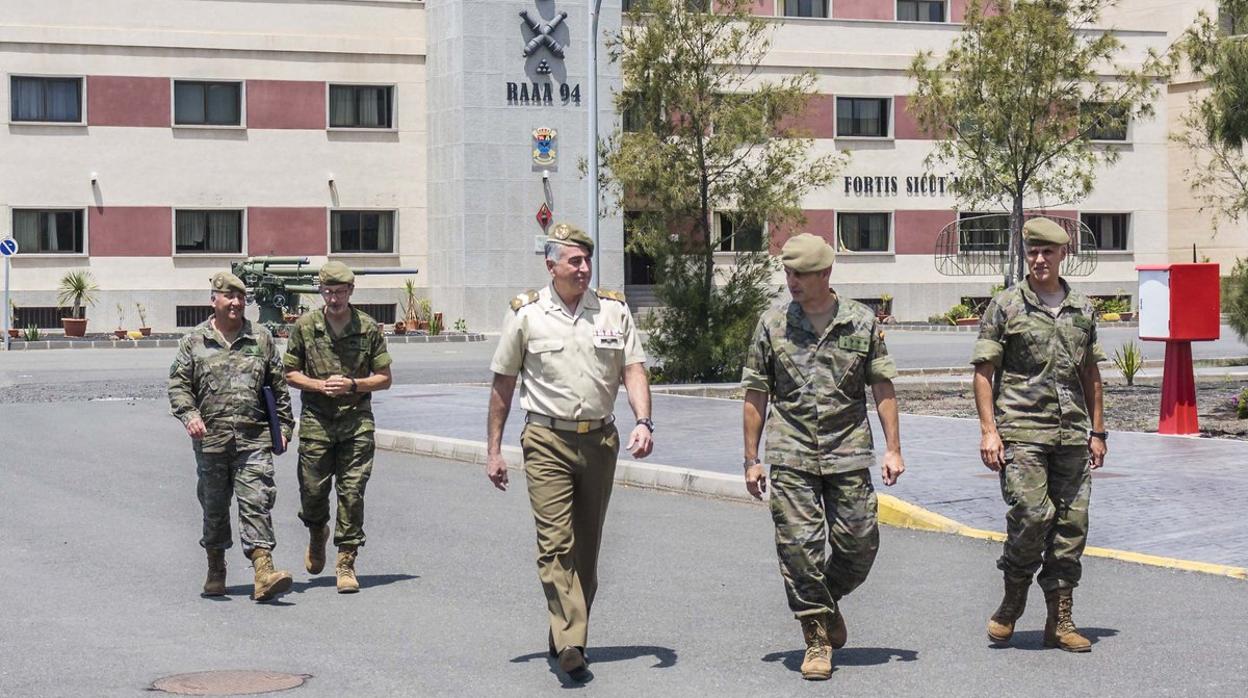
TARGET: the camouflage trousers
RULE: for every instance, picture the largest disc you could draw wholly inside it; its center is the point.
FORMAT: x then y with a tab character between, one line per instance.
1047	489
345	465
812	511
247	476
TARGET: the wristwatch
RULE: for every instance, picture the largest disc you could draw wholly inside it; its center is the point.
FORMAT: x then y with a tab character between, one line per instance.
354	387
647	423
1102	435
750	462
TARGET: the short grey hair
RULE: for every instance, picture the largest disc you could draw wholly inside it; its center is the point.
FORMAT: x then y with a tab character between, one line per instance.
552	251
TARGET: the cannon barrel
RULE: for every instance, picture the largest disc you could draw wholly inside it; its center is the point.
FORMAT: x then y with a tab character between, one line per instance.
367	272
276	260
302	288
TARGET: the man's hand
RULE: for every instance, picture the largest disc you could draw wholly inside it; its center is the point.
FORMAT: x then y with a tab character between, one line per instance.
992	451
640	442
496	470
894	465
336	385
756	480
1097	450
196	429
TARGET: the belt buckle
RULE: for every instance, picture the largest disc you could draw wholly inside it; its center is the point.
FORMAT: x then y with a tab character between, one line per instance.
582	427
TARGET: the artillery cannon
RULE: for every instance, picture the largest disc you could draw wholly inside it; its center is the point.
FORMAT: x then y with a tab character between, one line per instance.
275	283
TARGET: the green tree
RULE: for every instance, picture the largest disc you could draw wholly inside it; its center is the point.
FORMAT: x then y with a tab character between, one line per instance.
704	132
1018	100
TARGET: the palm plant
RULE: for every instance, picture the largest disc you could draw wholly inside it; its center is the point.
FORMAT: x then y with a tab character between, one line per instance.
77	289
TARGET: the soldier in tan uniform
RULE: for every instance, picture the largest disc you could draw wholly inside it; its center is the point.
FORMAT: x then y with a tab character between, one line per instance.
1038	394
812	361
571	347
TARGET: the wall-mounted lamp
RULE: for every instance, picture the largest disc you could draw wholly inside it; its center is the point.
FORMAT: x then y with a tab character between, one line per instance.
95	176
545	175
331	179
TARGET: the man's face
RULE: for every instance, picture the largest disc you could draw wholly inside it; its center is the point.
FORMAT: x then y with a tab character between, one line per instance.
1044	261
337	296
804	286
227	306
572	270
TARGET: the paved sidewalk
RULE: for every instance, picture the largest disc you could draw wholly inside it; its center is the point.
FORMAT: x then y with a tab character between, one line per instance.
1170	496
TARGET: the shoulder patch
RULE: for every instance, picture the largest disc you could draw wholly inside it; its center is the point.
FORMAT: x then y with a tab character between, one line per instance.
529	296
617	296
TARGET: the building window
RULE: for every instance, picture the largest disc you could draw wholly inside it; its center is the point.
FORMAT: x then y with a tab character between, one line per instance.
208	232
983	232
197	103
862	116
49	231
52	100
736	234
360	106
1111	121
920	11
805	8
361	231
1229	22
381	312
1110	230
864	232
191	315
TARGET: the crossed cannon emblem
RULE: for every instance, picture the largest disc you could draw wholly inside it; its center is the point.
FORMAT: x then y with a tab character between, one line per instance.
543	34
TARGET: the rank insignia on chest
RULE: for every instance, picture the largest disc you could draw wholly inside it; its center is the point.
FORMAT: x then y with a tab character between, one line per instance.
853	342
607	338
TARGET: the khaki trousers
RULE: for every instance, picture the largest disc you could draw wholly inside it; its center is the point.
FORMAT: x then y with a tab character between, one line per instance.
569	477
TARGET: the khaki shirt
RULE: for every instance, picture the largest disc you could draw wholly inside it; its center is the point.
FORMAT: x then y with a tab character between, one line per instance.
359	352
1038	355
570	363
816	383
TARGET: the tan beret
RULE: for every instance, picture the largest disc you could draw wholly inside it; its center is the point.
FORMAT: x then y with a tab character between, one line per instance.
335	273
1044	231
806	252
564	234
225	281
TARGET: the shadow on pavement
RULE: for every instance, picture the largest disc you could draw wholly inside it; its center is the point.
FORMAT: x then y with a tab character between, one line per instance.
366	581
846	656
1034	639
664	656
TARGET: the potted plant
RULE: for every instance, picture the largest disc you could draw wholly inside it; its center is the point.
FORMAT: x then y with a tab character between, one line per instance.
885	309
426	314
14	333
144	330
120	332
435	325
400	327
77	290
961	314
409	304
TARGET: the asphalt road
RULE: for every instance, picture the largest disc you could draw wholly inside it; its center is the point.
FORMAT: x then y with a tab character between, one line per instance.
99	592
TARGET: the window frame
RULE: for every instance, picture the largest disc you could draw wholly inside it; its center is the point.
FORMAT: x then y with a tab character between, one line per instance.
242	232
716	230
242	103
976	214
836	117
780	11
394	109
945	14
1126	130
329	231
86	225
1128	232
841	248
82	99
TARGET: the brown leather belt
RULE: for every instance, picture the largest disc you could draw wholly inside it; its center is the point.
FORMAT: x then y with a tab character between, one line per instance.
580	426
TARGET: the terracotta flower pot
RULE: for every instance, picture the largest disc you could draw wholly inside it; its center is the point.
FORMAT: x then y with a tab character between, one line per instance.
119	334
74	327
400	327
145	331
14	333
965	321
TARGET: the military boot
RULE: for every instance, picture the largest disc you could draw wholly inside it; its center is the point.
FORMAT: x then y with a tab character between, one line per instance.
1001	624
838	634
817	665
314	559
270	583
215	584
1060	630
345	569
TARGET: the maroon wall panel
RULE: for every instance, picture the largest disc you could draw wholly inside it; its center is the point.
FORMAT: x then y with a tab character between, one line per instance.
905	127
130	231
285	104
863	9
764	8
917	231
817	120
821	222
286	231
122	101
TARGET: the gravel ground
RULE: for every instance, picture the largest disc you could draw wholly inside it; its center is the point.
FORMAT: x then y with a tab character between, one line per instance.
83	391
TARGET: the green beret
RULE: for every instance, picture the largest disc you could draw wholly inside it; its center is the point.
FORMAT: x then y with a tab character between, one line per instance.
564	234
336	273
806	252
1043	231
225	281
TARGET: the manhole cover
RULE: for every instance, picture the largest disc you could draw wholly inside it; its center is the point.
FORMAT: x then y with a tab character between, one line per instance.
228	683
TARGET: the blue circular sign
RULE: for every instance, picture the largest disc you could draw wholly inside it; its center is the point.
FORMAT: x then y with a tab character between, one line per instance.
8	247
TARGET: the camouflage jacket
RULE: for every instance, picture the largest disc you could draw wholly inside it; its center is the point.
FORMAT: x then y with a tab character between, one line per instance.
221	384
1037	390
817	384
358	353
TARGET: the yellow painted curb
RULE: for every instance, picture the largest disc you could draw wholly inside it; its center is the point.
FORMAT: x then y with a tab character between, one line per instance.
895	512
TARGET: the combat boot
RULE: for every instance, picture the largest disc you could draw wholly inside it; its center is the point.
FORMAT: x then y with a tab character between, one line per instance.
345	569
215	584
1001	624
817	665
314	559
270	583
1060	630
838	634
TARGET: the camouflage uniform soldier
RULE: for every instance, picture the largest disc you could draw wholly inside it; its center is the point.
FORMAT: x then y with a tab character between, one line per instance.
1038	393
337	356
215	388
571	347
813	360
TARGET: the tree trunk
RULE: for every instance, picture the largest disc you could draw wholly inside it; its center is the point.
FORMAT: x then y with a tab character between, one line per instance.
1018	265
